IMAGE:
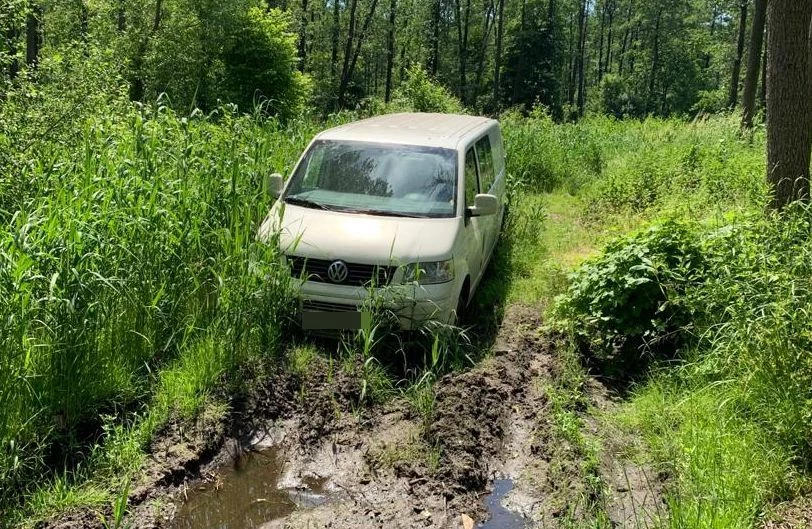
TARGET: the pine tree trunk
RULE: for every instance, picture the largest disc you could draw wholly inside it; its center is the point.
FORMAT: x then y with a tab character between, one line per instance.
733	96
390	51
753	64
762	97
789	106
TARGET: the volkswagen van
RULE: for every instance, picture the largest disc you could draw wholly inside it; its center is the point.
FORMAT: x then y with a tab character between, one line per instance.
405	209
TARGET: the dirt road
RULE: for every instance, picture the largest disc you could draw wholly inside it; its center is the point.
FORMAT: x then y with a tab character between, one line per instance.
385	466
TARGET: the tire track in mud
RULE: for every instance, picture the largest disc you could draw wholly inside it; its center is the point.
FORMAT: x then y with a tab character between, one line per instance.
383	466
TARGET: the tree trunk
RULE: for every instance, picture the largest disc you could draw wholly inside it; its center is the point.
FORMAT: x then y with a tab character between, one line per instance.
121	19
335	39
497	72
762	97
753	64
156	23
349	65
434	56
483	48
600	40
607	63
733	96
789	106
583	20
714	18
390	51
462	43
573	63
655	60
303	37
83	20
33	35
626	36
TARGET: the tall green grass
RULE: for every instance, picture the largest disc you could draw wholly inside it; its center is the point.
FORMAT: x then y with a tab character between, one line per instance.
726	420
133	257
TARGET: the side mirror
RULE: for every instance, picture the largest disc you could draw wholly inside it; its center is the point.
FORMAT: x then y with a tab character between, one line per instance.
484	205
274	184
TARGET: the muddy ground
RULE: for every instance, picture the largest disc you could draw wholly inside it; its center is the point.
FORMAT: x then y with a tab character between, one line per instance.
385	466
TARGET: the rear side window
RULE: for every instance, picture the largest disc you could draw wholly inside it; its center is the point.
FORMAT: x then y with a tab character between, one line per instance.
486	170
471	184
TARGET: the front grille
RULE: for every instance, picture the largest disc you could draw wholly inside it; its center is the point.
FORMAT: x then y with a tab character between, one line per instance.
358	274
326	306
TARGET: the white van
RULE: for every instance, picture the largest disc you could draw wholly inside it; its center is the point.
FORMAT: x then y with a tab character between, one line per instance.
405	209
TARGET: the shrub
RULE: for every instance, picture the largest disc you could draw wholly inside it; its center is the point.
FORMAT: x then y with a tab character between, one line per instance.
627	301
420	93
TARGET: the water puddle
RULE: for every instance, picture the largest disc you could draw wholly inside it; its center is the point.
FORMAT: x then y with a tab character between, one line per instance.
500	517
246	495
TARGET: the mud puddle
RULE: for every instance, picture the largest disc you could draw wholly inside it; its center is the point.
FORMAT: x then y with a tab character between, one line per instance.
245	495
498	516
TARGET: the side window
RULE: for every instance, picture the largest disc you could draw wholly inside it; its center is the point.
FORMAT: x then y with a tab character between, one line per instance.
485	156
471	183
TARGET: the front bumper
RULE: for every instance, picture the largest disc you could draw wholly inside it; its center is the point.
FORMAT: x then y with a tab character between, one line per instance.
411	304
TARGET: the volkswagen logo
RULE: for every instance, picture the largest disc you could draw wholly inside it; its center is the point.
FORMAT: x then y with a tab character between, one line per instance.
338	271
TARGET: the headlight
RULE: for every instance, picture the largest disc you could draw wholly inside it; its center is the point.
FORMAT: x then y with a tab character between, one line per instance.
429	273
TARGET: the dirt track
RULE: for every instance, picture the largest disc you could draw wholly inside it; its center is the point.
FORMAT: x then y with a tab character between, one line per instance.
490	422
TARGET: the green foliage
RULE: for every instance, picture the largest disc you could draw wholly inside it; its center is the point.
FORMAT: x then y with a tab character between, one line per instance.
236	52
136	248
617	99
421	94
628	300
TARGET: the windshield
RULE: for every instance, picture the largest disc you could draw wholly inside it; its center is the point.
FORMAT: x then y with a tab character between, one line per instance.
376	178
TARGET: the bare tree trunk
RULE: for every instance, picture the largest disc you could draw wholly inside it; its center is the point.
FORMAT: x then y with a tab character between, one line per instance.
497	73
462	43
303	37
434	56
607	63
789	106
390	51
600	44
626	36
33	35
762	97
733	96
349	65
483	48
583	20
753	64
572	53
335	39
655	60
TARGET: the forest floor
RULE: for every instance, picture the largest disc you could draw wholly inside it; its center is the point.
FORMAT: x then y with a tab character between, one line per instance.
519	439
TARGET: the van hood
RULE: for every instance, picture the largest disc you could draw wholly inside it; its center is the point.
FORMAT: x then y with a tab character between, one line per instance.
355	237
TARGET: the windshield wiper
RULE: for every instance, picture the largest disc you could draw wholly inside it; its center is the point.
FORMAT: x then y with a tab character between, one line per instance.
296	201
383	213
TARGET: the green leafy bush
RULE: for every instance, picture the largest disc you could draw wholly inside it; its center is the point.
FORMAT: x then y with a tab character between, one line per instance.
628	301
422	94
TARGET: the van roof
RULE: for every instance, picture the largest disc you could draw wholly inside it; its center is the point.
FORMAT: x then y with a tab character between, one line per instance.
437	130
